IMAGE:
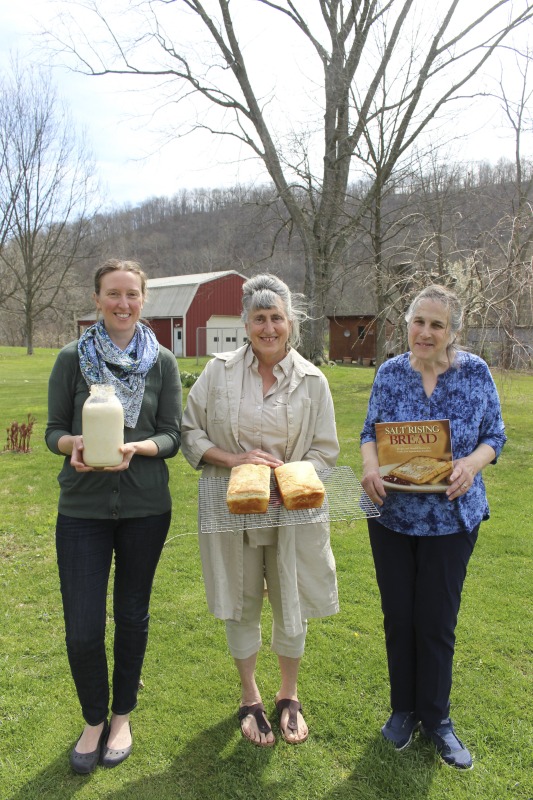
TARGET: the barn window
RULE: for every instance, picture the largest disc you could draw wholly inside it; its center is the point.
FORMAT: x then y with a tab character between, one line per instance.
361	332
215	338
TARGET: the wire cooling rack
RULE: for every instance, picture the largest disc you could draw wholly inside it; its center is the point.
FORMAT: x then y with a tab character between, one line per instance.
345	500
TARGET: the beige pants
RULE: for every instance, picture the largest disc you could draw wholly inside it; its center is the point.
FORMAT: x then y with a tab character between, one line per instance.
244	637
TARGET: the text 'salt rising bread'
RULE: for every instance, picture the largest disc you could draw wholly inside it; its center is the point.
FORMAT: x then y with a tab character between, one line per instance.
299	485
249	489
422	470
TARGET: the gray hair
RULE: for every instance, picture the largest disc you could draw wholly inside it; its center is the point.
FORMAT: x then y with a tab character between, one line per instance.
447	298
267	291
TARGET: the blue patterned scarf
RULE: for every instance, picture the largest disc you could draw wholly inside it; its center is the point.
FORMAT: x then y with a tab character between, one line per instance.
101	361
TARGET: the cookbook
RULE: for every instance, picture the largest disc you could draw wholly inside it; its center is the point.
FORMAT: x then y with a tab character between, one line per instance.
415	456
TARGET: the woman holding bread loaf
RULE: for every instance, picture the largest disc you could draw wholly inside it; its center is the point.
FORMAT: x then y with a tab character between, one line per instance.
121	511
263	404
423	540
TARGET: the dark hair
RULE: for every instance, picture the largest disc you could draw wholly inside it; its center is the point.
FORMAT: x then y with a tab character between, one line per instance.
267	291
115	265
447	298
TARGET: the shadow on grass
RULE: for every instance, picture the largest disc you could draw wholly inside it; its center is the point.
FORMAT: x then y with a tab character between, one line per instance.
381	773
216	764
213	764
53	782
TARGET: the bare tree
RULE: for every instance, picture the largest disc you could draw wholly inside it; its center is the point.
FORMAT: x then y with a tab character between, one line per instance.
7	193
45	197
6	201
438	50
498	283
517	305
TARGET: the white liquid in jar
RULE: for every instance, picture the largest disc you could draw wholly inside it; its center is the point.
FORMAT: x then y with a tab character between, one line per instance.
102	428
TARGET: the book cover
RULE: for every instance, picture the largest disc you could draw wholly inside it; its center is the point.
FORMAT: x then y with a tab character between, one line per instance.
415	456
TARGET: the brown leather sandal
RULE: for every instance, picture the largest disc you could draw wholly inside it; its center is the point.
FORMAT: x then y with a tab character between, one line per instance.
294	707
257	711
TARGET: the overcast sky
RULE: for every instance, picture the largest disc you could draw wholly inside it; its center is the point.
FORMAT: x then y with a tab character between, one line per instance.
131	164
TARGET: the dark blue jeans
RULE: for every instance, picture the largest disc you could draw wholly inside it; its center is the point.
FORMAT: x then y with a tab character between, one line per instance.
85	550
420	580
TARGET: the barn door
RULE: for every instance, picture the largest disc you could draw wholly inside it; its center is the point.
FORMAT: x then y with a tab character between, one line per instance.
178	342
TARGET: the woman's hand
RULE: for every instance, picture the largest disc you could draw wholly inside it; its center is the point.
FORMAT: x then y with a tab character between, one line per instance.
371	480
257	457
465	470
147	447
373	486
128	451
461	478
76	458
222	458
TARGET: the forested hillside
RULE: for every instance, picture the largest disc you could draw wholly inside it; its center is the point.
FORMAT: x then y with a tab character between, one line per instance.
470	226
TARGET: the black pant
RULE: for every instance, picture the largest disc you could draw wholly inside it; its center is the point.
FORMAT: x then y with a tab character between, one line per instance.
84	554
420	580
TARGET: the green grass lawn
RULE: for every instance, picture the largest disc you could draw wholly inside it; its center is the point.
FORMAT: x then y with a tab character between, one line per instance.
187	740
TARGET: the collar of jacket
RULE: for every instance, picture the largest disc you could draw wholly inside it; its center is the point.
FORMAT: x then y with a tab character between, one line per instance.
301	365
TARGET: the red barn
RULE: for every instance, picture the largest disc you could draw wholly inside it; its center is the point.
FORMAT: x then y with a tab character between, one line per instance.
180	308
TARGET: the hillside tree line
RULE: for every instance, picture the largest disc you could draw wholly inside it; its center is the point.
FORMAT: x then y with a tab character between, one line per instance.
453	223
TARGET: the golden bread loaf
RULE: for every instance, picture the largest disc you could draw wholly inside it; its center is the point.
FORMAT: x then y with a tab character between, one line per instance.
249	489
299	485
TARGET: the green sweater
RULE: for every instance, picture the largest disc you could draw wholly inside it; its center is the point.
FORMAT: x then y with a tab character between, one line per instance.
142	489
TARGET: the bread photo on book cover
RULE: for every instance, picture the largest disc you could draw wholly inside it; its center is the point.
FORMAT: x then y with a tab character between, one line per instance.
443	475
249	489
423	470
299	485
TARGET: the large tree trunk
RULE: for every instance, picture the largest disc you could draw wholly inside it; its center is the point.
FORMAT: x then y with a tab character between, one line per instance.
29	334
315	293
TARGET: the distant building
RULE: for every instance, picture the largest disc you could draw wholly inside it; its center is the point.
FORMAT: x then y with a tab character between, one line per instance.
193	315
352	338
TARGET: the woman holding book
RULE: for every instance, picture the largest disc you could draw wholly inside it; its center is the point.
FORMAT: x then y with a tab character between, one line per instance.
423	540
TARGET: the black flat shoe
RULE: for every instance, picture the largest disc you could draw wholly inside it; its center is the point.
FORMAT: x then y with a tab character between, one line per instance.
112	758
85	763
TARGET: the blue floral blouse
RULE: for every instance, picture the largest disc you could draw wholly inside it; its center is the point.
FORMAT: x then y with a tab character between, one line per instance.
467	396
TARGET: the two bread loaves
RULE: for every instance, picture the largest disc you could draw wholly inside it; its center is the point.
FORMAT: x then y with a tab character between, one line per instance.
249	487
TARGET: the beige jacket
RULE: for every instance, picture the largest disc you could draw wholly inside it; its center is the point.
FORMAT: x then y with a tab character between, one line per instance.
305	560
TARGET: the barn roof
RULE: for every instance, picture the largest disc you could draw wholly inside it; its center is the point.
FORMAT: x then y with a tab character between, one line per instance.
185	280
172	296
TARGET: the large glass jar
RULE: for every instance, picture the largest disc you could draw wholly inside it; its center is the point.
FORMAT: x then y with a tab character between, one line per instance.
102	420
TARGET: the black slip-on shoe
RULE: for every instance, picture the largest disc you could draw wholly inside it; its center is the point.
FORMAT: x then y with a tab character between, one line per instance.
112	758
85	763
